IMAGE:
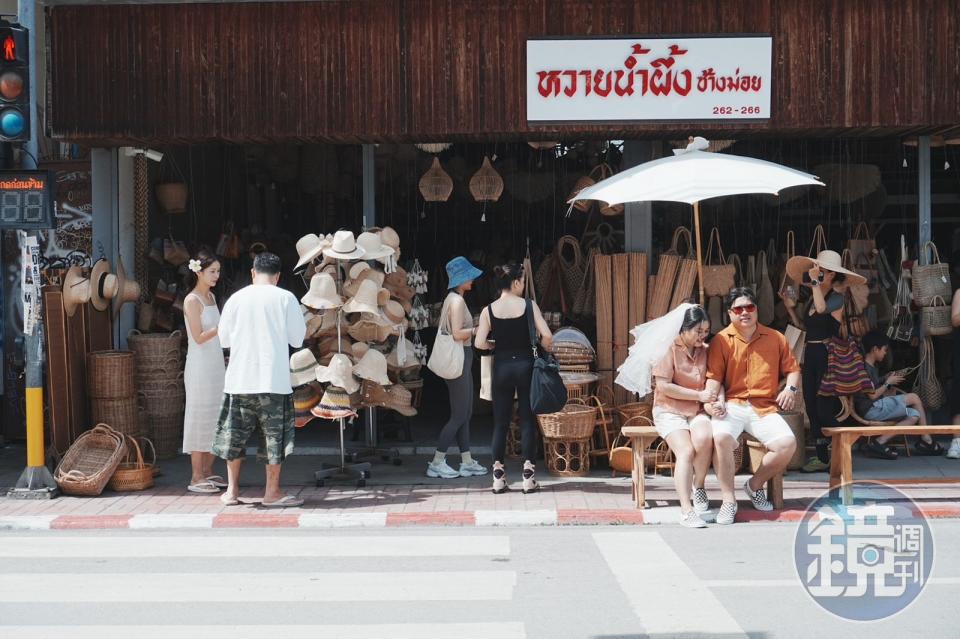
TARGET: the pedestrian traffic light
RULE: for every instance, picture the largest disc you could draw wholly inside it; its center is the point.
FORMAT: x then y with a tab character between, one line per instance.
14	84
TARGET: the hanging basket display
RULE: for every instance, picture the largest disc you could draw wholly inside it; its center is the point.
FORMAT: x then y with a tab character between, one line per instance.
486	185
434	148
436	185
172	197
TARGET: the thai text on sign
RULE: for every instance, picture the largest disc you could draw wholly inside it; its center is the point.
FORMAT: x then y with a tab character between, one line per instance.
623	79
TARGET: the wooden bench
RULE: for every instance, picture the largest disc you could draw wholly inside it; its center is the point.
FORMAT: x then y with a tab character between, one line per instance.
844	437
642	436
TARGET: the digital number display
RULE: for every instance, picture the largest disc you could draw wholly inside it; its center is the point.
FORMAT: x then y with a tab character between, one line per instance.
26	200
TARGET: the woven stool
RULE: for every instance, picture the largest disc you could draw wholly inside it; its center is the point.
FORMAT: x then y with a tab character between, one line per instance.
567	457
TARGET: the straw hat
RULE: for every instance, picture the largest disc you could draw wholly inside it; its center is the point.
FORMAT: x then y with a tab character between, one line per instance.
389	237
358	273
304	399
335	404
332	345
373	367
368	299
321	324
303	366
393	311
343	247
339	373
103	285
377	329
127	290
309	248
323	293
827	260
373	246
359	349
76	290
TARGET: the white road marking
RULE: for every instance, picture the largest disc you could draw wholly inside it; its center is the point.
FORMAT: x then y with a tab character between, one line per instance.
451	585
515	517
377	631
133	546
667	597
26	522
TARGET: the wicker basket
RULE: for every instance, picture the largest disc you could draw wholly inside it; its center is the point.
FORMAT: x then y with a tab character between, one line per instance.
636	409
165	403
158	345
172	197
935	318
90	462
166	432
567	457
134	473
930	280
122	414
575	421
110	374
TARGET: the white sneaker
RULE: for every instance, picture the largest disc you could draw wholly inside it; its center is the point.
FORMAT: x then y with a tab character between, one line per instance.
442	470
701	503
691	519
473	469
728	512
757	497
954	452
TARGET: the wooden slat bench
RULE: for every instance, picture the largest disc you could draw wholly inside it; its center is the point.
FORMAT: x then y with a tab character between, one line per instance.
642	436
844	437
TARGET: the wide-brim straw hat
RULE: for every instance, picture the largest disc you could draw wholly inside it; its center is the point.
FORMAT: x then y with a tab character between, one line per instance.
373	367
103	285
394	312
344	247
76	290
309	248
127	290
826	260
322	294
373	246
303	367
322	324
358	275
377	329
335	404
339	373
368	299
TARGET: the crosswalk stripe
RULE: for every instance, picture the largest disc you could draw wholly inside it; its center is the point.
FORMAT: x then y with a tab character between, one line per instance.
449	585
131	546
374	631
665	594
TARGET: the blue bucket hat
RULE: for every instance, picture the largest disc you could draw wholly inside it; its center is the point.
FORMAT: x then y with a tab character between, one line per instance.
460	270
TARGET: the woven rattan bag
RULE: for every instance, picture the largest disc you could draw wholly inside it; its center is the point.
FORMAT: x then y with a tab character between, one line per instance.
927	386
718	275
936	318
765	298
930	280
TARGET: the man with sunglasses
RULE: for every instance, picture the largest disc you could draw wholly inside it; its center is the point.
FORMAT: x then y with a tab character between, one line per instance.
749	360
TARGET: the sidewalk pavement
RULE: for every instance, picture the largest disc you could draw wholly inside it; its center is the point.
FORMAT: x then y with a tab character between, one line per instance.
403	496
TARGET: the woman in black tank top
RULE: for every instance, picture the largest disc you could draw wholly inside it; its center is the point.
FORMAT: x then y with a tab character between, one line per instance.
512	369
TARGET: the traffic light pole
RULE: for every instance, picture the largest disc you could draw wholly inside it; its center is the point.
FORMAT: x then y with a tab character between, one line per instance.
35	482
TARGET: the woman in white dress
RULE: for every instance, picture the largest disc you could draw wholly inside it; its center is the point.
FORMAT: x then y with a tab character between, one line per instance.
204	372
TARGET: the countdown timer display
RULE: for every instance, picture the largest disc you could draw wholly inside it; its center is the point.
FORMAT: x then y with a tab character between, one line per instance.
26	200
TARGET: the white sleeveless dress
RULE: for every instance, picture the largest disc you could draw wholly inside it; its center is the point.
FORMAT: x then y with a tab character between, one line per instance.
203	381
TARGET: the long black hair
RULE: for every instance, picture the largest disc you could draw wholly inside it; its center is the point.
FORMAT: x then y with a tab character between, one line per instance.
694	317
206	257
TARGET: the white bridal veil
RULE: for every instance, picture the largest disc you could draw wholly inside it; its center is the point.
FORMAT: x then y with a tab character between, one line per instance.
650	344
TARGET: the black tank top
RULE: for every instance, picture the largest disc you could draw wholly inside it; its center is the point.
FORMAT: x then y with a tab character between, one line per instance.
821	326
512	335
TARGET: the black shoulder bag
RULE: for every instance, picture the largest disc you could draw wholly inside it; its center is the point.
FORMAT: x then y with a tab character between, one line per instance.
547	392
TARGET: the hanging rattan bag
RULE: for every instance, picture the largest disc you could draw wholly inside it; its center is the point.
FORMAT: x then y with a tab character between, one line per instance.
927	385
930	280
765	299
571	268
936	318
718	276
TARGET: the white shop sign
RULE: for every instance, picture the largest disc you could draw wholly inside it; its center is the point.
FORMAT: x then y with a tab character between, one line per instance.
624	79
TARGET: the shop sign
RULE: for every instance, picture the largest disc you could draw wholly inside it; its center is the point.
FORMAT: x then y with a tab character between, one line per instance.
630	79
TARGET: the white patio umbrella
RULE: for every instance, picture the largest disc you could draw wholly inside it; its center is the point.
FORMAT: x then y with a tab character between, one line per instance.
692	176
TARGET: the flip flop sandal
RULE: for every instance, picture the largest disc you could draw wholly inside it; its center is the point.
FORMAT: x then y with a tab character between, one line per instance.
229	501
287	501
204	487
217	481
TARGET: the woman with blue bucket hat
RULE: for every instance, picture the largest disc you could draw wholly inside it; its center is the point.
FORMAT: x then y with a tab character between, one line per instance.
460	276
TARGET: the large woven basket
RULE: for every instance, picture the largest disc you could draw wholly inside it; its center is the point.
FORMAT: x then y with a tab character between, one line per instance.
167	433
575	421
90	462
156	345
121	414
935	318
930	280
110	374
164	404
134	473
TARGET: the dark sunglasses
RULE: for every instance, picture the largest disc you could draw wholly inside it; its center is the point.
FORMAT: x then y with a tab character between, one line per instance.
740	310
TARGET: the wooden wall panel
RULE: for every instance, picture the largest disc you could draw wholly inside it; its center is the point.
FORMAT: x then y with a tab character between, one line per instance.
421	70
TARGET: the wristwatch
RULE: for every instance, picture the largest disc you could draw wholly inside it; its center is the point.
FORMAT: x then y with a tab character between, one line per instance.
792	389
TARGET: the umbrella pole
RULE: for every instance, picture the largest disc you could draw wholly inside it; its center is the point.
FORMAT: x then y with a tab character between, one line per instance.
696	224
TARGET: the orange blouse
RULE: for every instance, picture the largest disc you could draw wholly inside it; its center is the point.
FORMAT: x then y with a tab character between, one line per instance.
684	370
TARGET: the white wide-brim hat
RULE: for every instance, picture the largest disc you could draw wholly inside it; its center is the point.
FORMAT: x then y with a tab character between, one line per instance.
367	299
372	366
323	293
309	248
339	373
344	247
303	366
826	260
373	247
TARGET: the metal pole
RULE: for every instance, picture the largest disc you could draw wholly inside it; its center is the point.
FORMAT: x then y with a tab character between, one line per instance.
923	191
696	223
369	221
35	482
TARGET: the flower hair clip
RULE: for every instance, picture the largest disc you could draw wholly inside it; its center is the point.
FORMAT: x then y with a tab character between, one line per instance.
194	266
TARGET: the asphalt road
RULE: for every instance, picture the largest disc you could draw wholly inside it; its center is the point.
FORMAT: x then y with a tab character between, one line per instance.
603	582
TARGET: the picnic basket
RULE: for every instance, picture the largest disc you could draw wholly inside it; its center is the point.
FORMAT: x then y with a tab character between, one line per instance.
90	462
134	473
573	421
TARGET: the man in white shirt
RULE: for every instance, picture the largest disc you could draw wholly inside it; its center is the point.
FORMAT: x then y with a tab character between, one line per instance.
259	323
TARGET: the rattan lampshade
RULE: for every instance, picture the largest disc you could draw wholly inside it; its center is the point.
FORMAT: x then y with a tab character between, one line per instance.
436	185
486	185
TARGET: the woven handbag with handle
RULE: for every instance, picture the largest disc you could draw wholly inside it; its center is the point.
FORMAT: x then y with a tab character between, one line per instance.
927	385
718	276
935	318
931	279
861	245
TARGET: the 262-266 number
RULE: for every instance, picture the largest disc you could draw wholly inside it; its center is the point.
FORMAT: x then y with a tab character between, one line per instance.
744	110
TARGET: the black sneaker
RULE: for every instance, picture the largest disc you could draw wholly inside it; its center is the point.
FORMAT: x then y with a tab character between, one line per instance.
933	449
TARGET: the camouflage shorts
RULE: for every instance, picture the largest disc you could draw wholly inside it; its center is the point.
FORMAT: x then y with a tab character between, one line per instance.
240	415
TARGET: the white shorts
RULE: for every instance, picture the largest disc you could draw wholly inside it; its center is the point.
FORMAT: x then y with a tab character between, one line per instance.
742	417
667	422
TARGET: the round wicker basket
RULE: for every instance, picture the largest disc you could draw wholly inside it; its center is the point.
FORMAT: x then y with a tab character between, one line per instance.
575	421
110	374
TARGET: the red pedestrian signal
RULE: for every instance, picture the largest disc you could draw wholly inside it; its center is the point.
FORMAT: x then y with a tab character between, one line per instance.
14	84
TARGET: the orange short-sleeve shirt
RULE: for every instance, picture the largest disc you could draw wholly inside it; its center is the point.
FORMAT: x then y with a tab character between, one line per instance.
750	371
682	369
